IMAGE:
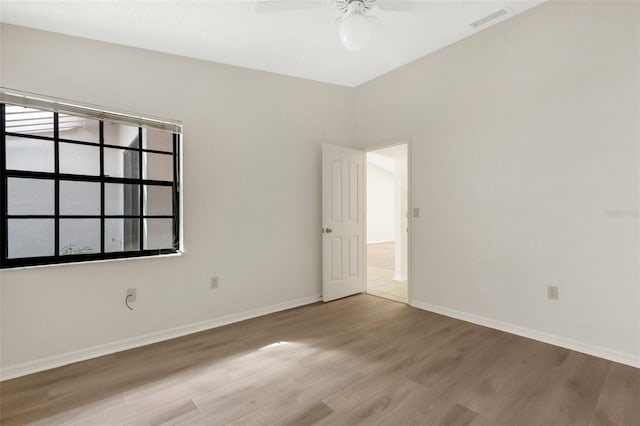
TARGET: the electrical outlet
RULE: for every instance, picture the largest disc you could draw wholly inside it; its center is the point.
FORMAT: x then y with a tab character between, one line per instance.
214	283
552	292
131	295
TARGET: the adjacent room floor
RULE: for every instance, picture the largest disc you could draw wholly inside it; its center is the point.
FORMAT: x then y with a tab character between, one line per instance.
358	360
380	269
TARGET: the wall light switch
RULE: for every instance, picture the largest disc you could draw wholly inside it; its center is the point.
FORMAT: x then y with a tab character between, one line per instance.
416	212
214	283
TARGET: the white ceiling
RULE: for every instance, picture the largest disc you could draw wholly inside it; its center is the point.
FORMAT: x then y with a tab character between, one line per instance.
301	43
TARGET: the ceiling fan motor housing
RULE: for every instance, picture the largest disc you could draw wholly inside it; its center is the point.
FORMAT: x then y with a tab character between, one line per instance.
355	29
364	5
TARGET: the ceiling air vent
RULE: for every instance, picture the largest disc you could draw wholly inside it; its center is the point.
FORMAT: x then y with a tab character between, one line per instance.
483	21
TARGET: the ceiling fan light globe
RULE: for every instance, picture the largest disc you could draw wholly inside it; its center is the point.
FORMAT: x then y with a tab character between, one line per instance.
355	31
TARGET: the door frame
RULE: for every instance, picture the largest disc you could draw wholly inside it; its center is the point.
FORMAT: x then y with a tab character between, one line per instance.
375	147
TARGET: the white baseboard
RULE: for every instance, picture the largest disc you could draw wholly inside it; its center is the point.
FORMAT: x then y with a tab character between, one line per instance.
17	370
587	348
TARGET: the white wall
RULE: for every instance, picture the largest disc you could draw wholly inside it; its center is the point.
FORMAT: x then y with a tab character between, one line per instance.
252	150
525	168
380	205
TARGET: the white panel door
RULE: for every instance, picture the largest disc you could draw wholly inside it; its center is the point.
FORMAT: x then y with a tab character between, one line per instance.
343	231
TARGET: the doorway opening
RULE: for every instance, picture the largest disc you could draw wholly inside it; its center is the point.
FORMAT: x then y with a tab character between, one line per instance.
387	222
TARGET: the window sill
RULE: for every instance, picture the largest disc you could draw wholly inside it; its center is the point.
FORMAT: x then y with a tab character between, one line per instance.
90	262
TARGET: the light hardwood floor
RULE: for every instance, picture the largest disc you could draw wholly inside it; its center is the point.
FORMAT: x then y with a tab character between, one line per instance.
359	360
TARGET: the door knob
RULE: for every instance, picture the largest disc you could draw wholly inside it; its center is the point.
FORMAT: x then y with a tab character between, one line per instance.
327	230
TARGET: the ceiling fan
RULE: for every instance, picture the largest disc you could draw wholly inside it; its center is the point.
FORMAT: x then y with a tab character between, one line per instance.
356	21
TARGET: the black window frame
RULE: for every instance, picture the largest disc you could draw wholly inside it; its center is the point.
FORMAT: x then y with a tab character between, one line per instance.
102	179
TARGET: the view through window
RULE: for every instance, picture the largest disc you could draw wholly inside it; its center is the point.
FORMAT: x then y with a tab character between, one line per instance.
77	188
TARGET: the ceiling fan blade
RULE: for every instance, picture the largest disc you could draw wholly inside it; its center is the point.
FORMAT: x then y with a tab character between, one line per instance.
269	6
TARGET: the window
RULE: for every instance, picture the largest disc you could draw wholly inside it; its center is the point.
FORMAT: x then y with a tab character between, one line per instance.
80	184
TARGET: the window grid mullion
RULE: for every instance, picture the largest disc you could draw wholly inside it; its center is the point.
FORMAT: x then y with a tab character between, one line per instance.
84	178
102	208
175	199
78	142
4	246
141	190
87	216
56	188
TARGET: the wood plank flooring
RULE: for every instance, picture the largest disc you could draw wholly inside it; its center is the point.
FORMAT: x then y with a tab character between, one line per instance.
356	361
